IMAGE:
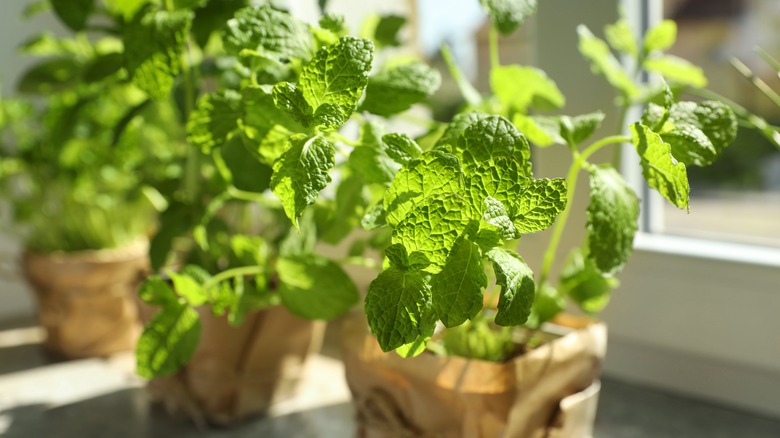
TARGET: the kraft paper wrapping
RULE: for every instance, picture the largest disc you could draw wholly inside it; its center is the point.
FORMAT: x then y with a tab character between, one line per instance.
240	371
86	299
551	391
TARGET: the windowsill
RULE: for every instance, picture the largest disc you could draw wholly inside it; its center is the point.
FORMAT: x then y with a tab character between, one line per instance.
707	249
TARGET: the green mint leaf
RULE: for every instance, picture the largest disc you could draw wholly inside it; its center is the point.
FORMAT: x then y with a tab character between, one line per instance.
621	37
386	31
501	178
508	15
613	213
168	341
542	131
265	30
661	170
395	90
398	258
337	75
456	291
213	17
576	130
497	215
370	159
660	37
249	250
290	99
603	62
302	241
154	43
246	172
334	23
176	220
74	13
103	66
397	306
157	292
351	202
313	287
585	284
433	226
456	127
401	148
124	8
537	207
493	136
188	288
214	119
301	172
375	217
519	87
548	303
517	286
433	173
677	70
266	129
697	132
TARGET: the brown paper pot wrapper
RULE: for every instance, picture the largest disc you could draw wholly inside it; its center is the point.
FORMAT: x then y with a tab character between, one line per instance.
87	299
238	372
548	392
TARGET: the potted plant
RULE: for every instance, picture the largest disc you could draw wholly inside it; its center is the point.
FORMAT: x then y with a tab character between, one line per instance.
457	210
264	106
75	169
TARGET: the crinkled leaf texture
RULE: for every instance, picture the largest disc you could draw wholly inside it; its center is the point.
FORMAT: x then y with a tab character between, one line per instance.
154	43
168	341
397	305
538	205
214	120
508	15
395	90
314	287
268	31
613	213
456	291
301	172
659	168
517	286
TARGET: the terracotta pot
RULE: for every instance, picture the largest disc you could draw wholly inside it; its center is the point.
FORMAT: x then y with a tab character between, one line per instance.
87	299
551	391
238	372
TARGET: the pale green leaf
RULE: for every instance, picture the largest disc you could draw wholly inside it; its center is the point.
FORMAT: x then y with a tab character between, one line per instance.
301	172
168	341
401	148
660	169
508	15
548	303
433	173
397	305
313	287
613	213
265	128
395	90
542	131
621	37
370	159
188	288
374	218
583	283
576	130
157	292
351	202
125	8
539	204
603	62
154	43
677	70
519	87
517	286
289	98
456	291
496	214
661	36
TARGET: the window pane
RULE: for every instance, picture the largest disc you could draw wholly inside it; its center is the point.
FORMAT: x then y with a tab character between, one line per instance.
737	198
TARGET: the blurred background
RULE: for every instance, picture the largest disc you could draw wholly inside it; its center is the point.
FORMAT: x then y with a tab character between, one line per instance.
697	310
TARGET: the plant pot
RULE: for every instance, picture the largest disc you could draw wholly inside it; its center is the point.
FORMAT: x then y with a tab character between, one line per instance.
551	391
237	372
87	299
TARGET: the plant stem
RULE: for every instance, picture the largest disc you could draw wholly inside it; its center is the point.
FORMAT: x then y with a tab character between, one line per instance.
756	81
231	273
579	160
470	94
495	62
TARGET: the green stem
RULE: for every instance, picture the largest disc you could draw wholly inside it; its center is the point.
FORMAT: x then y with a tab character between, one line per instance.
340	137
579	161
470	94
495	62
231	273
756	81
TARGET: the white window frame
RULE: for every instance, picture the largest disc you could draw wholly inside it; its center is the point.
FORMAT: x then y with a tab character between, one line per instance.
693	316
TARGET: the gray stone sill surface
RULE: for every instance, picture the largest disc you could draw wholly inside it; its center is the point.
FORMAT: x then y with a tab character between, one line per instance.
103	398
